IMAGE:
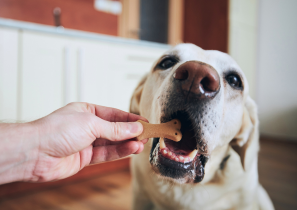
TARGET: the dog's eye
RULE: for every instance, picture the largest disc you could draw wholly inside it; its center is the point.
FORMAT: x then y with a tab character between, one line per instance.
167	63
234	80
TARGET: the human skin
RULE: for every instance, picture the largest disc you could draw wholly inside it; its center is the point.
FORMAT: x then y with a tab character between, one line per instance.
64	142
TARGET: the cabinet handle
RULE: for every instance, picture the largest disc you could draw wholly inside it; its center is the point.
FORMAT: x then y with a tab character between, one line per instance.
57	17
67	76
80	74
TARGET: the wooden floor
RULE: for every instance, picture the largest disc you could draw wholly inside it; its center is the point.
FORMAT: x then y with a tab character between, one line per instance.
277	171
108	192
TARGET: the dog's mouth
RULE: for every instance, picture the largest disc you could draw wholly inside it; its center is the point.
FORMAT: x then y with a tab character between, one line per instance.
179	160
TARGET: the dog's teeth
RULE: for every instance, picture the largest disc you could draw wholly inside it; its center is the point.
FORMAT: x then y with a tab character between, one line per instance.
164	152
169	153
181	157
176	159
162	143
193	154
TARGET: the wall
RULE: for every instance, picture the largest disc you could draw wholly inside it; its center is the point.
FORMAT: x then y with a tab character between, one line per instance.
277	71
76	14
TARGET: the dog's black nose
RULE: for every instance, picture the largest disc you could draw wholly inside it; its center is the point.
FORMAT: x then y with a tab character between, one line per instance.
198	78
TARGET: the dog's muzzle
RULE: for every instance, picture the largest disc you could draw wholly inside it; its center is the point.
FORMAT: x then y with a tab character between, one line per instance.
194	85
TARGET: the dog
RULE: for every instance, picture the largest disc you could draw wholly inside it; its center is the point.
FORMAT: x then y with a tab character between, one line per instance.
214	166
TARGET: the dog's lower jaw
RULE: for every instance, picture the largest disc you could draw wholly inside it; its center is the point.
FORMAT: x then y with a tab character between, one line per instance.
180	173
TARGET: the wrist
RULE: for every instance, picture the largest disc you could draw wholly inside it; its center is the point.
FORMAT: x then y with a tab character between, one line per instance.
19	151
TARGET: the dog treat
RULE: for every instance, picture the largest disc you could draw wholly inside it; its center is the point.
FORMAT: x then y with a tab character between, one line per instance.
169	130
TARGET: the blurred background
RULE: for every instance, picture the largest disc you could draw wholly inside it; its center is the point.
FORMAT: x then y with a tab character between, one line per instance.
53	52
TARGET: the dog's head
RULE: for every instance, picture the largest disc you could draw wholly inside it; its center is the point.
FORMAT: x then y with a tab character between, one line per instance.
208	92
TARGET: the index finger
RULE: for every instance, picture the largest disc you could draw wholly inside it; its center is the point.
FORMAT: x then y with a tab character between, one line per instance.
116	115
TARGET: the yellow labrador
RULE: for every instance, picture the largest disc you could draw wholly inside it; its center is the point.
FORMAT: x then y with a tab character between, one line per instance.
214	166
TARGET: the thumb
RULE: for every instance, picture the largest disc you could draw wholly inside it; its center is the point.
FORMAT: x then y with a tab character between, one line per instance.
119	131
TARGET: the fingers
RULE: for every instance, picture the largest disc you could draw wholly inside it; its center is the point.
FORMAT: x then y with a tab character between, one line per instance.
112	152
105	113
112	124
105	142
116	115
116	131
144	141
141	146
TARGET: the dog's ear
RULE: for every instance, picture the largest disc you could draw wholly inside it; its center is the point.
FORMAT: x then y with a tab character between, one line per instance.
135	99
248	135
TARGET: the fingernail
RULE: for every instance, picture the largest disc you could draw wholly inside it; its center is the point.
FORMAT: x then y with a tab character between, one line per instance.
135	128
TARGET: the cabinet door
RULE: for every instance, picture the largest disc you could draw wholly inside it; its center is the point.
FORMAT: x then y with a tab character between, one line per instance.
109	72
56	70
133	62
8	74
95	78
45	59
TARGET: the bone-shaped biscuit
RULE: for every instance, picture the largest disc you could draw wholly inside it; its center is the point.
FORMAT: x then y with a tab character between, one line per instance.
169	130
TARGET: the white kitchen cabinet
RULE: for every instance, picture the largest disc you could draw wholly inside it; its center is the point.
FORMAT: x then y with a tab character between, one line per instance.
44	62
133	62
109	72
9	41
104	73
43	68
94	72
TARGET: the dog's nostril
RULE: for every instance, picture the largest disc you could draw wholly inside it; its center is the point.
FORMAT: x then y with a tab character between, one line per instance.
181	74
209	83
175	133
205	82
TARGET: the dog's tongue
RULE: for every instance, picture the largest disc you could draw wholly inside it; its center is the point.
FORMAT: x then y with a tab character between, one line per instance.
176	147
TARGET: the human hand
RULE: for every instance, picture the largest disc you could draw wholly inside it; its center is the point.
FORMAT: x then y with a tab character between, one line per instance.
81	134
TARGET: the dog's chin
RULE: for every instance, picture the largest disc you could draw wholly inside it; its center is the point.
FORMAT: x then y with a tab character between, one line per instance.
181	161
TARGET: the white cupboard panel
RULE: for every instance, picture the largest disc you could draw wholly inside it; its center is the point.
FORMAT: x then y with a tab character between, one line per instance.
109	72
132	64
70	73
43	64
8	74
95	78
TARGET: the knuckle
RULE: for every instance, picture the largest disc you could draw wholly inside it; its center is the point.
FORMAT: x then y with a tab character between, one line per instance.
88	107
78	104
116	131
